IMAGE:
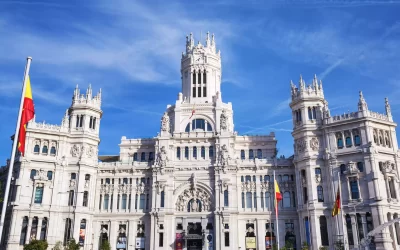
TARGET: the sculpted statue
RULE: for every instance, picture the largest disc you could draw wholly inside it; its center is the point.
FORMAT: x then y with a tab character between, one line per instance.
165	123
224	121
223	155
162	158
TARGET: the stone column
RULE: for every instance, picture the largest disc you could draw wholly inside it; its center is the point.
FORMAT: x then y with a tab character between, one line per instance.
28	231
39	228
258	194
218	231
354	229
113	231
260	232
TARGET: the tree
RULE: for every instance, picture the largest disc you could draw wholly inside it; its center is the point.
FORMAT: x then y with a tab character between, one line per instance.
72	245
58	246
105	245
37	245
304	246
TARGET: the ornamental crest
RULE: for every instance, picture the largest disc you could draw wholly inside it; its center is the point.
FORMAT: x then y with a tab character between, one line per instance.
75	150
314	143
301	145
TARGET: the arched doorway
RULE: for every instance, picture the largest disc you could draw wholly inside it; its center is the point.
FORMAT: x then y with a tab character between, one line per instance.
290	240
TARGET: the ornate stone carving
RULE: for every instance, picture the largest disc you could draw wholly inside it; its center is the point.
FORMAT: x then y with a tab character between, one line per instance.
195	200
301	145
76	150
314	143
72	183
162	158
224	120
89	151
159	187
165	123
41	176
352	168
223	156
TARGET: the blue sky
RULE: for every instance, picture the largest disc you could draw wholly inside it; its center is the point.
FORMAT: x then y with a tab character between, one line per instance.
132	50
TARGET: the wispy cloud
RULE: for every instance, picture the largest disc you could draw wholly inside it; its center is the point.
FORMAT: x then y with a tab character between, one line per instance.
270	127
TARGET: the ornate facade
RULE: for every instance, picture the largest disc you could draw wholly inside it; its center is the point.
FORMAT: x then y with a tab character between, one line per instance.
198	184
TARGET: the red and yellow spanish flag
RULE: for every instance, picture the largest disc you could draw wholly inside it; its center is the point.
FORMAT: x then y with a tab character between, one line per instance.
28	112
278	195
336	206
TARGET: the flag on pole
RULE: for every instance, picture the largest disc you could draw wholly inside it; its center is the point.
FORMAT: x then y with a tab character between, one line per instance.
336	207
278	195
28	112
193	111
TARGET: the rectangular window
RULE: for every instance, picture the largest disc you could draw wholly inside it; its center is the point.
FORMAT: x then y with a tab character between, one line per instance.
340	143
106	201
162	199
49	175
141	204
204	92
71	198
305	195
94	123
226	198
227	239
85	198
199	91
249	200
348	142
194	91
392	189
38	195
161	240
123	204
355	193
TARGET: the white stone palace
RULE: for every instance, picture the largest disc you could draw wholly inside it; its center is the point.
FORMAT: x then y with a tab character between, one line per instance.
197	184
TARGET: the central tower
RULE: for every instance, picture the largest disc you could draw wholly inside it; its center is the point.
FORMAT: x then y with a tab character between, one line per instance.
201	71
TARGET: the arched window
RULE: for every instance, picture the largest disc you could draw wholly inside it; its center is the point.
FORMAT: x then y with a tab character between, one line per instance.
249	203
309	113
323	226
242	154
203	152
125	181
43	230
285	177
162	199
178	153
33	174
266	178
143	156
67	231
53	150
226	198
135	157
259	154
286	200
340	142
45	150
194	152
36	149
38	195
360	166
314	112
320	193
355	192
151	156
211	152
24	230
357	140
251	154
198	125
123	203
186	153
248	178
348	141
107	180
317	171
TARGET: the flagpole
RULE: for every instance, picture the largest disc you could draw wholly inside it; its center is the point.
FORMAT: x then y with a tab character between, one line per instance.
14	148
276	215
341	210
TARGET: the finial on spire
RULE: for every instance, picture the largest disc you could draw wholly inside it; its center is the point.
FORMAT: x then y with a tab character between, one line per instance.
208	39
301	83
89	92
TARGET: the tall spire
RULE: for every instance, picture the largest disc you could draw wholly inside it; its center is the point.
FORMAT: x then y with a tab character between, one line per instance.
301	83
89	92
362	104
208	39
